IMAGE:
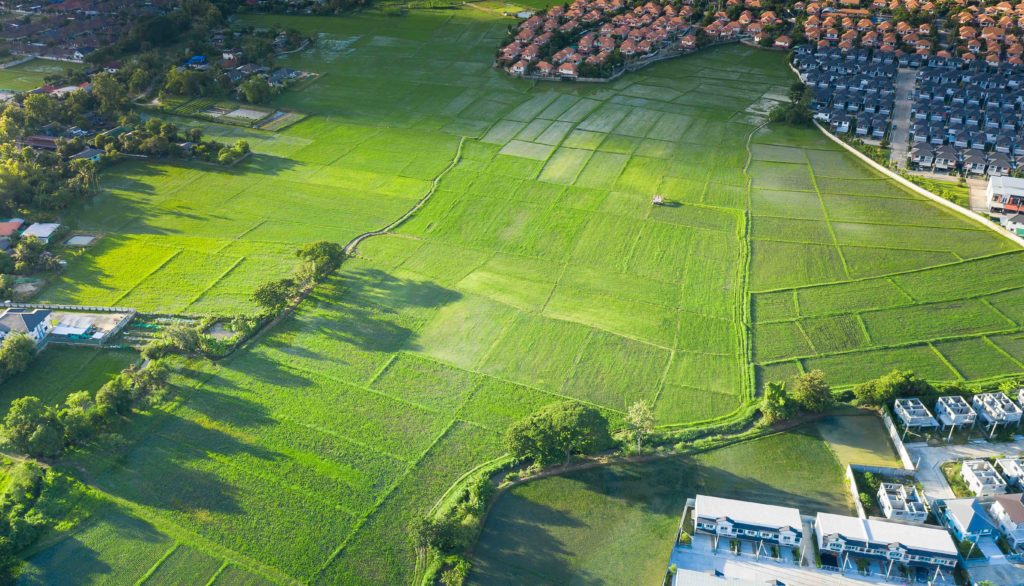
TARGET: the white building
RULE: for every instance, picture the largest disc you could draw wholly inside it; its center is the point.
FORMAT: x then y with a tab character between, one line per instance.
913	413
842	539
1012	469
982	478
1005	195
34	323
901	502
41	231
996	409
764	524
954	411
1008	512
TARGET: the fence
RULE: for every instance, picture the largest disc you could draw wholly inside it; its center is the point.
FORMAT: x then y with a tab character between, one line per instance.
851	481
69	307
894	435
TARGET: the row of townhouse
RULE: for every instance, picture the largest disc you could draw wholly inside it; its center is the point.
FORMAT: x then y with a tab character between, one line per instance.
992	410
841	540
948	158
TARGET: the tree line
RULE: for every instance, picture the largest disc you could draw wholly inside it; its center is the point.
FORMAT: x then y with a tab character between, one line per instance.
39	430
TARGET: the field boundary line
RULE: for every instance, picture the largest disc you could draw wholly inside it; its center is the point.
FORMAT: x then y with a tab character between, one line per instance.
944	360
177	251
156	566
353	244
920	190
380	371
824	212
219	278
244	232
217	574
901	290
984	300
999	349
745	323
890	275
864	329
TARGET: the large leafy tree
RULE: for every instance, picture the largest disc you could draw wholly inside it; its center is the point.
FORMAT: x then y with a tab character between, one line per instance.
811	392
776	405
32	428
556	432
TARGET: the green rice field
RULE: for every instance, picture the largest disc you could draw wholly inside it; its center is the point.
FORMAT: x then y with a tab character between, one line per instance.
538	271
29	75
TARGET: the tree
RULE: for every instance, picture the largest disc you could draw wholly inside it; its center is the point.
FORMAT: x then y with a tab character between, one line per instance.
442	534
556	432
811	392
32	428
640	420
110	94
776	405
255	90
322	258
16	352
78	417
148	385
114	397
898	383
183	337
28	254
274	295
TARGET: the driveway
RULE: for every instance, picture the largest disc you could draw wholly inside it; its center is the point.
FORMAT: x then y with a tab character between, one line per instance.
899	138
929	459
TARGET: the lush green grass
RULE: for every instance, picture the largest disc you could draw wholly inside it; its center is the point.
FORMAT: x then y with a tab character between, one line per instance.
28	76
615	524
61	370
538	271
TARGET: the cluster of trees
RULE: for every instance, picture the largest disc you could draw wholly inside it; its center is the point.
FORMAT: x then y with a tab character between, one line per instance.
317	7
319	260
886	388
41	180
33	428
798	110
163	139
33	499
558	431
808	393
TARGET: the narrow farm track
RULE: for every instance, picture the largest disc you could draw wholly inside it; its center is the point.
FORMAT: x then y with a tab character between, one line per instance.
353	244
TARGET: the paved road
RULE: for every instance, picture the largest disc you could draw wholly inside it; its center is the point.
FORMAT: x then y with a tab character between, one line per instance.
930	458
900	136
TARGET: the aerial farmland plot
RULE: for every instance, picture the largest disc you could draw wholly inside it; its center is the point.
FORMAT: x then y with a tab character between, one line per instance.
538	270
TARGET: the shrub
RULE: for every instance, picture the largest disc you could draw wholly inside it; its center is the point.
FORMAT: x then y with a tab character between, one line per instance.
898	383
556	432
811	392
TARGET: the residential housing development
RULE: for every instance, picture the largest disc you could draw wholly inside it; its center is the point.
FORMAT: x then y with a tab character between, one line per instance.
760	523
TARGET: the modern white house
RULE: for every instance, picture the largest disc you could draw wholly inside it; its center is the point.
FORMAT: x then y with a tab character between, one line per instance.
968	519
995	409
955	412
982	477
1012	470
1005	195
843	539
1008	512
34	323
913	413
41	231
766	525
901	502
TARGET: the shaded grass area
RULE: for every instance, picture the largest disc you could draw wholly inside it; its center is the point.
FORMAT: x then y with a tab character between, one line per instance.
615	524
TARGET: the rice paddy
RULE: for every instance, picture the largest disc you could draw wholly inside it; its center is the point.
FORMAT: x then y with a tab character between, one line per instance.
539	270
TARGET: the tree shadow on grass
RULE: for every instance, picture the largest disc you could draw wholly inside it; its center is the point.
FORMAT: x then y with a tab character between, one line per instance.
367	307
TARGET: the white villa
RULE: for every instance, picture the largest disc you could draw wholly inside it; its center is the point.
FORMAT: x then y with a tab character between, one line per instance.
41	231
996	409
34	323
1012	470
913	413
841	538
1008	512
733	519
901	502
954	411
982	477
